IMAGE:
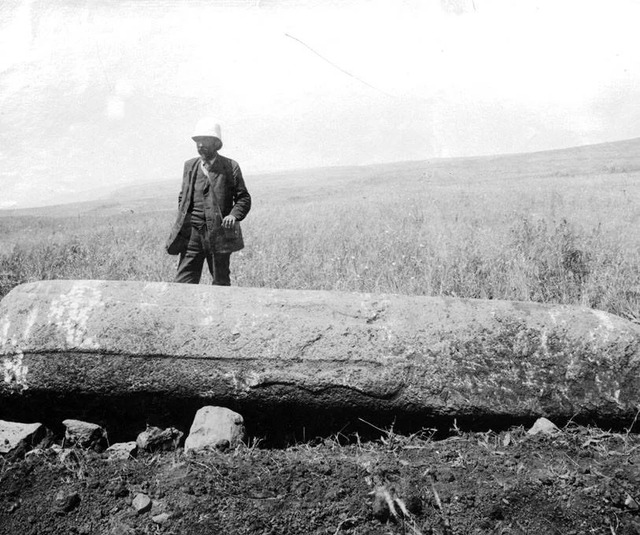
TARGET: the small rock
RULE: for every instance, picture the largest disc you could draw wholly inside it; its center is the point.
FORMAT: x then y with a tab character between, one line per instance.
122	450
17	438
65	501
156	439
380	506
215	428
544	476
84	434
162	518
544	426
141	503
630	503
117	488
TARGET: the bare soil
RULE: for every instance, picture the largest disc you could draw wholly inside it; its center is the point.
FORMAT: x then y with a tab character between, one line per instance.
578	481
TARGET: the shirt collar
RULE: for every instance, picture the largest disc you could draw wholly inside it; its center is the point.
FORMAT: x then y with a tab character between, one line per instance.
207	165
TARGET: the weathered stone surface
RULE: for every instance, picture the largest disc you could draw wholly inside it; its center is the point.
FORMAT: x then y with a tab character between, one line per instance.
16	435
436	356
161	518
122	450
543	426
65	501
156	439
141	503
83	434
213	426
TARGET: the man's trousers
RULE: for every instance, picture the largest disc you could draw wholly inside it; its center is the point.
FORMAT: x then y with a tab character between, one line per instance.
192	261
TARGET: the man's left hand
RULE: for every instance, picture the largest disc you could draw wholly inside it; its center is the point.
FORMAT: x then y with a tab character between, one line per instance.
229	221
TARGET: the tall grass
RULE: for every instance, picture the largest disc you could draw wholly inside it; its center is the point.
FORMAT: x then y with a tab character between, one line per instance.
547	239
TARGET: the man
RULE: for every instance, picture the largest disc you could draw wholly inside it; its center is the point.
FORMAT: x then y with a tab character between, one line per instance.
212	201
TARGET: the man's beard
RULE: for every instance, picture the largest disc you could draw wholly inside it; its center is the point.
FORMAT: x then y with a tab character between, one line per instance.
207	154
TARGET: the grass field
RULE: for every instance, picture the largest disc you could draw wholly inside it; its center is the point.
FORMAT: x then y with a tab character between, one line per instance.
555	227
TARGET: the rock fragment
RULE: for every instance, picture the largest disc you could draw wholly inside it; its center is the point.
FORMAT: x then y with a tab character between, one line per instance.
65	501
161	518
84	434
380	506
17	438
156	439
215	428
141	503
630	503
543	426
122	450
117	488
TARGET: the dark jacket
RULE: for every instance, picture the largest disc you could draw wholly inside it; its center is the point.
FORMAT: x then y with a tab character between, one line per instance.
227	191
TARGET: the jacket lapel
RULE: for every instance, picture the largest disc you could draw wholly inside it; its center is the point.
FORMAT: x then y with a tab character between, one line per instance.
186	200
216	172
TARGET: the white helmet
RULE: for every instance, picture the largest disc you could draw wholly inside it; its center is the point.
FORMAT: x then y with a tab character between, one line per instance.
207	127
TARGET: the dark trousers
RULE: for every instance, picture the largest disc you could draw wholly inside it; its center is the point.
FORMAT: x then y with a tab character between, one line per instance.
192	261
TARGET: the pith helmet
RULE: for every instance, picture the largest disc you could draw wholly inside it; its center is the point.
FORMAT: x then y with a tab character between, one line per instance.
207	127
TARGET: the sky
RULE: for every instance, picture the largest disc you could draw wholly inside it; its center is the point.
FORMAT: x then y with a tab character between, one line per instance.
100	94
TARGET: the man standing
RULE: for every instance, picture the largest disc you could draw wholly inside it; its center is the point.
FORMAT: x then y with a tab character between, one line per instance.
212	201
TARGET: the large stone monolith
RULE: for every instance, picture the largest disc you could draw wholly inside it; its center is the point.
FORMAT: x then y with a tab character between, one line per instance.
318	349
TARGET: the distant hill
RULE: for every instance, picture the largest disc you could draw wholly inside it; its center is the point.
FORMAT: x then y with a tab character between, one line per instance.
304	184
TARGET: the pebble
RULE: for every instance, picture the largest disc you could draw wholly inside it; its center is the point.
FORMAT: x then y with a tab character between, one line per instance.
141	503
543	426
379	506
66	501
122	451
156	439
631	503
215	427
84	434
161	518
117	489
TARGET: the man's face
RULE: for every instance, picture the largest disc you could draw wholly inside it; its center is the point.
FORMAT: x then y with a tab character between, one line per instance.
207	147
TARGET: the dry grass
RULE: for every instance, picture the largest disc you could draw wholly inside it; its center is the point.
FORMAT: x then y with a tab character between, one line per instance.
451	229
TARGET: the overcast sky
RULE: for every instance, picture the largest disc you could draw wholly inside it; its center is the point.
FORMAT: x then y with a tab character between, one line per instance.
97	94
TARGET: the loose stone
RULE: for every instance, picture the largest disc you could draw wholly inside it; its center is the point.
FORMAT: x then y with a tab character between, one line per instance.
83	434
216	428
141	503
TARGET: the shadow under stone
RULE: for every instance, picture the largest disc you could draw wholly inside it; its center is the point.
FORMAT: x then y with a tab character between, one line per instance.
275	425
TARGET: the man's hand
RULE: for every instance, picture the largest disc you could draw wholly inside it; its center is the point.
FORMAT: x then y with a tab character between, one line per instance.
229	221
